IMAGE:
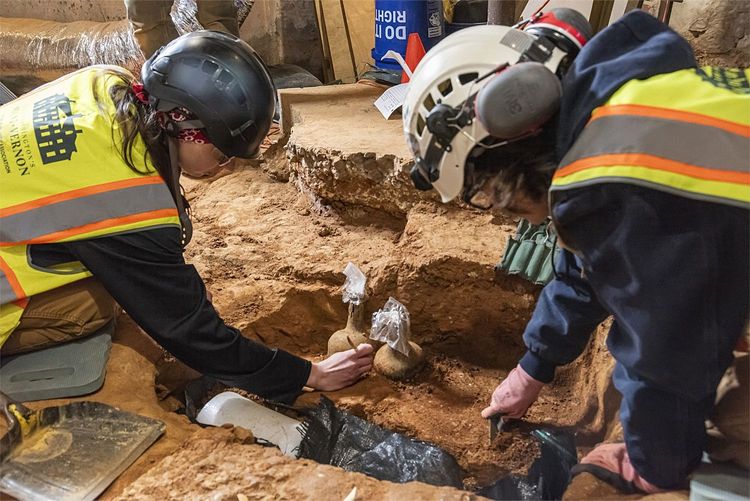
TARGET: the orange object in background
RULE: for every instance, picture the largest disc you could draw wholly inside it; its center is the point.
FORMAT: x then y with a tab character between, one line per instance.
414	53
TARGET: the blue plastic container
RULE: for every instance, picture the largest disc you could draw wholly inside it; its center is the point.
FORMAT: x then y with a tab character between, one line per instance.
396	19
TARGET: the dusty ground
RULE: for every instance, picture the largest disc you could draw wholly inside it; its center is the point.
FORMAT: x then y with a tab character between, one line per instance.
255	473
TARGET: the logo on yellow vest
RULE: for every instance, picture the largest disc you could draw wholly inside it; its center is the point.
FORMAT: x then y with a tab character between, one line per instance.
727	78
54	128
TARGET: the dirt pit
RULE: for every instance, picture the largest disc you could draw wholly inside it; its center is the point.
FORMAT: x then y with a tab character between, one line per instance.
272	254
273	259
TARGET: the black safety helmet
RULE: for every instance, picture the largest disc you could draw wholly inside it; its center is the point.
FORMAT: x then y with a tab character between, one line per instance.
222	81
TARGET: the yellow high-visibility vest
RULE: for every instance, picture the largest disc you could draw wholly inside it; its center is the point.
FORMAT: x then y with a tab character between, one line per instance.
63	178
685	133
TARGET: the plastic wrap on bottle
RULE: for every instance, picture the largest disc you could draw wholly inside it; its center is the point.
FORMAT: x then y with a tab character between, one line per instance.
391	325
354	286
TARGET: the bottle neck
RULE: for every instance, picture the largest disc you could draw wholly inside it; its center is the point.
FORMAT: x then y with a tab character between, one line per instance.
355	320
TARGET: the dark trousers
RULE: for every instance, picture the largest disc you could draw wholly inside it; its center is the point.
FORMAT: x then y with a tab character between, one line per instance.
665	433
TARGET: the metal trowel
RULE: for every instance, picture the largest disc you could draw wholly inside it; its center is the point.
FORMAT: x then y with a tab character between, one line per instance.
72	451
497	423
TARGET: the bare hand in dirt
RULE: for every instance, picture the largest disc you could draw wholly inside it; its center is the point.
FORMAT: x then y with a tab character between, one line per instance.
514	395
341	369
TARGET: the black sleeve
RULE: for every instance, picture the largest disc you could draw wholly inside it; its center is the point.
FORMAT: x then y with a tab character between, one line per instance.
146	274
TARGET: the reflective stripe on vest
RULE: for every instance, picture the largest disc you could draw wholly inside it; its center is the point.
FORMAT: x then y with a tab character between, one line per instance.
694	143
63	178
13	300
67	215
10	289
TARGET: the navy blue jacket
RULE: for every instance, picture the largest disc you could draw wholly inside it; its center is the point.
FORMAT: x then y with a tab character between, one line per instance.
672	271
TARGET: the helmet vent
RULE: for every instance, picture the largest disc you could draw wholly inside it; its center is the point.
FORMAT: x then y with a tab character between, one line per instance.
445	87
209	67
225	77
420	125
467	77
428	102
238	95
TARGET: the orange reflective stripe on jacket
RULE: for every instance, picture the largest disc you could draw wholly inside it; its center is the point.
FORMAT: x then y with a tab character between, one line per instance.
695	144
667	113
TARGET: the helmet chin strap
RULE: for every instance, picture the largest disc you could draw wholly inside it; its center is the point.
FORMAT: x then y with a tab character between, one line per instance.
183	207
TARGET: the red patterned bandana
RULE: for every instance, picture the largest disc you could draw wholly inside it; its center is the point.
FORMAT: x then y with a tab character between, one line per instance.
178	115
188	135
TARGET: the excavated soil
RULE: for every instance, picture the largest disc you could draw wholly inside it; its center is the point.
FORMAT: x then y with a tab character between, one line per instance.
249	472
273	258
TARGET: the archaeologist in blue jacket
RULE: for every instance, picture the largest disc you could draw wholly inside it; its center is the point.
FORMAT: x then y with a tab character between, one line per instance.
641	159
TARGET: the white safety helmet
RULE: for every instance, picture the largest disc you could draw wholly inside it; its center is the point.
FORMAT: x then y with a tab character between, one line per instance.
442	117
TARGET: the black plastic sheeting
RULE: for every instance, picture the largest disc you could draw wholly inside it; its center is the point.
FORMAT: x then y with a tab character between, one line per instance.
338	438
335	437
548	476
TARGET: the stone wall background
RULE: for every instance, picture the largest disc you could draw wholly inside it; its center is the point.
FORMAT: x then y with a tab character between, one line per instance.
718	30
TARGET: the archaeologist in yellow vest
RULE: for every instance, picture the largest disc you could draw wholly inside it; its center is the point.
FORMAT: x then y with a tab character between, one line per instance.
153	26
91	211
642	160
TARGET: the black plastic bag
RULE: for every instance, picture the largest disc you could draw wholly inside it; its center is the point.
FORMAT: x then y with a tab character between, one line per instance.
548	476
338	438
